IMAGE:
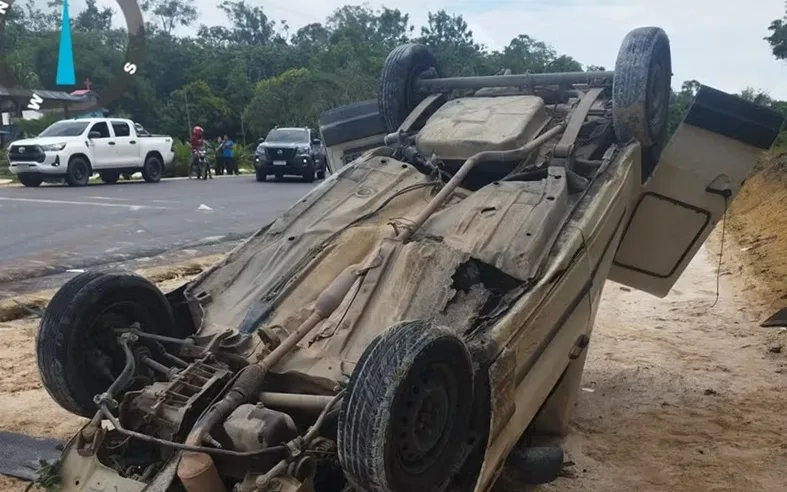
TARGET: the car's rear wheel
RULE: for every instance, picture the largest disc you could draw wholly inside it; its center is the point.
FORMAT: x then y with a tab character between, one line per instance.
407	409
398	94
153	169
31	180
641	92
109	177
78	173
76	346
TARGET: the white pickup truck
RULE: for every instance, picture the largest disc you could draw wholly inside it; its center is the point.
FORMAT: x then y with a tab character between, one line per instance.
73	150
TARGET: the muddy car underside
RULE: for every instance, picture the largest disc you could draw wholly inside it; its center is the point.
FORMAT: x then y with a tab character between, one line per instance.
418	321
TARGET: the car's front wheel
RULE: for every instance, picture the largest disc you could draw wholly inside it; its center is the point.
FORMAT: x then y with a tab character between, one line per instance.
79	172
30	180
261	175
76	346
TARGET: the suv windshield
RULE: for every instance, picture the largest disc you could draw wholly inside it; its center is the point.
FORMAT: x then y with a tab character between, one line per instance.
65	129
288	135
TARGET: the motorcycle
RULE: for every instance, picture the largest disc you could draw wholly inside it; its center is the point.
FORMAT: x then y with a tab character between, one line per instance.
201	165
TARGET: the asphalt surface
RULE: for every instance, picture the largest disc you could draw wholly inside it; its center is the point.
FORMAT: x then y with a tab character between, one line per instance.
54	228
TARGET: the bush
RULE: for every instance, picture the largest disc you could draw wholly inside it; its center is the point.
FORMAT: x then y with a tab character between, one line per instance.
180	164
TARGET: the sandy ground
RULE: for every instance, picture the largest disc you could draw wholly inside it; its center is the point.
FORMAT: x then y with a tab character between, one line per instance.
677	394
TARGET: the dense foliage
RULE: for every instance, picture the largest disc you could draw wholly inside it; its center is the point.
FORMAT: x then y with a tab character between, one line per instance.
255	74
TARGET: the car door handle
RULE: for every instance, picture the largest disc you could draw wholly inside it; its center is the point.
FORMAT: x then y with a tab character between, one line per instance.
111	143
132	142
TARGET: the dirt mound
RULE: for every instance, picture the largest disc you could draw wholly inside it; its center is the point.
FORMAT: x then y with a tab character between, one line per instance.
756	246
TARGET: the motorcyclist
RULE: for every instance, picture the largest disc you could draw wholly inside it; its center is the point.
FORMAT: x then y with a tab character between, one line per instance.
197	143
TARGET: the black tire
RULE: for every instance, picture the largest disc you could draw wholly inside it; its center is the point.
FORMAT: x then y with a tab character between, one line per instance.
397	95
351	122
308	175
641	92
261	176
79	171
109	177
30	180
378	433
321	174
153	169
74	333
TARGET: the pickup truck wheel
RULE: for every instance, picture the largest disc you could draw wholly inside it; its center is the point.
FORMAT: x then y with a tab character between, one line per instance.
398	95
406	432
153	169
76	347
641	92
308	176
109	177
30	180
260	174
321	174
79	172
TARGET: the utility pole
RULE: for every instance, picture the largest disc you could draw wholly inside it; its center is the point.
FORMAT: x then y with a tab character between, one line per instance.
188	117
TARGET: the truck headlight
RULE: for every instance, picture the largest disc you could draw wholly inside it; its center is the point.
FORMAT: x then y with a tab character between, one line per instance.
53	147
303	150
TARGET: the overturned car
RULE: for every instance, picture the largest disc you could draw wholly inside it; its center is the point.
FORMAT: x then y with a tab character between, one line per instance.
420	320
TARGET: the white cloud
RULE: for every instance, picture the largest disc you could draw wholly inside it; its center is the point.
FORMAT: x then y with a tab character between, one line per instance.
718	42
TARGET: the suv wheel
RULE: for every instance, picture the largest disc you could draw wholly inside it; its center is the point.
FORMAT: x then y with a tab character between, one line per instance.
79	172
261	176
30	180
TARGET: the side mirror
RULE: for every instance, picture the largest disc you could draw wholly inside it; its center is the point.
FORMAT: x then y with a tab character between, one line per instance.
94	135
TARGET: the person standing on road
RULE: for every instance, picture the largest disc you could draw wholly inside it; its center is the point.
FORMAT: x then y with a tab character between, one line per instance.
229	158
220	162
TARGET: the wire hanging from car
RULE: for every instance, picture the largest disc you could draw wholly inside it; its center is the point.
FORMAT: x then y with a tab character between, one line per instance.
726	196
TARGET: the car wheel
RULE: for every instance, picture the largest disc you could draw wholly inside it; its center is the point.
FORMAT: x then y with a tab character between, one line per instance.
109	177
31	180
261	176
78	173
405	432
321	173
152	170
398	95
308	176
641	92
76	347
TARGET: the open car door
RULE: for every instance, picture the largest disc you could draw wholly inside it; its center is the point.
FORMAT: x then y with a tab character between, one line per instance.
700	171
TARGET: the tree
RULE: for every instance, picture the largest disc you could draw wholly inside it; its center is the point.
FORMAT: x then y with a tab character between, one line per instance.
453	44
778	37
250	24
93	18
171	13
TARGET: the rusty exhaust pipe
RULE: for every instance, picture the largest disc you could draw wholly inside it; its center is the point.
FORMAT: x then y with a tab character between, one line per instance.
196	470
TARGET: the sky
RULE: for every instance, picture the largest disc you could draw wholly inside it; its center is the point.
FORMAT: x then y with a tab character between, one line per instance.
718	42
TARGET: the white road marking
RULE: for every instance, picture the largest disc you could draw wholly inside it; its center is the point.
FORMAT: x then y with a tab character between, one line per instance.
204	207
106	198
93	204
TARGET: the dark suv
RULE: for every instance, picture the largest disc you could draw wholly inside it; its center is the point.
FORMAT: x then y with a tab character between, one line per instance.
290	151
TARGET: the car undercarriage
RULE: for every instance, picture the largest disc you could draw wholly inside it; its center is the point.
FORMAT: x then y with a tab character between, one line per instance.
419	320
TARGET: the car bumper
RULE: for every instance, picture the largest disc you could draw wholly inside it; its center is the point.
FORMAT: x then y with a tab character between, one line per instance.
296	165
54	163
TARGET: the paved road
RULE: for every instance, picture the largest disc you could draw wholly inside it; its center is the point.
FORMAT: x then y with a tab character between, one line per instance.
53	228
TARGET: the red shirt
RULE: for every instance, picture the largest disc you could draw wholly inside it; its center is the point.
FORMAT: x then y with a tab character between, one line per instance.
197	142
